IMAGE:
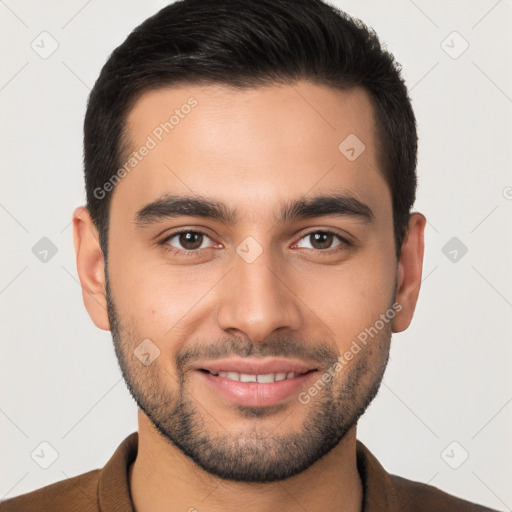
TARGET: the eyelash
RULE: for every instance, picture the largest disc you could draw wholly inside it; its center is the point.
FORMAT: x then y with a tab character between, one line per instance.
168	248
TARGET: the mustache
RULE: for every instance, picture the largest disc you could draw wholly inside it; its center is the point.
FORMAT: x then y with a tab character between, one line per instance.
322	353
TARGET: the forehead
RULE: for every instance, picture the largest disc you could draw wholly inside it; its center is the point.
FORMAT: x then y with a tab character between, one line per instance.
250	147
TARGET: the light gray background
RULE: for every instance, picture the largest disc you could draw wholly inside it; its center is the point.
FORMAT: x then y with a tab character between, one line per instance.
449	374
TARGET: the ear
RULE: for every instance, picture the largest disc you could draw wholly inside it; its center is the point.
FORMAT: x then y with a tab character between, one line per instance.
409	272
91	267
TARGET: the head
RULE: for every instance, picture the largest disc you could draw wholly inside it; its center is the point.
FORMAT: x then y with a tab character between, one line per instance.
250	173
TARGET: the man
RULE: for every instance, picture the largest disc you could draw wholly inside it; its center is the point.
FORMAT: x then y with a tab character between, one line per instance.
249	242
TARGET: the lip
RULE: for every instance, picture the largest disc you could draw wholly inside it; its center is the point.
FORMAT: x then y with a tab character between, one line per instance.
256	394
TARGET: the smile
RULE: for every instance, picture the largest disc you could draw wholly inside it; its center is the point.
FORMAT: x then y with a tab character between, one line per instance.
264	378
256	382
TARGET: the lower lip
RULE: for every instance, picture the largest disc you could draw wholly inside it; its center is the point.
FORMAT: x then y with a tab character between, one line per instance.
256	394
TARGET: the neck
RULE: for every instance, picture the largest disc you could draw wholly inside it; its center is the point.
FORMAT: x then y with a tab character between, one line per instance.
162	478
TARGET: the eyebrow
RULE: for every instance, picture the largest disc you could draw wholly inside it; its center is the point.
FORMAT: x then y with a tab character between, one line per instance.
333	205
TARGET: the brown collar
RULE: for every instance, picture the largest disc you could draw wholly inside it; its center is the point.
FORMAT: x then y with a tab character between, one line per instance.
114	483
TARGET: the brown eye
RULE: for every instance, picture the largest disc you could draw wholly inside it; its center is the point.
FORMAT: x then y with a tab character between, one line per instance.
190	240
187	240
323	240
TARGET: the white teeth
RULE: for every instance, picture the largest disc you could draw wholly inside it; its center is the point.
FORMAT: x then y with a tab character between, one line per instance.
263	378
267	377
245	377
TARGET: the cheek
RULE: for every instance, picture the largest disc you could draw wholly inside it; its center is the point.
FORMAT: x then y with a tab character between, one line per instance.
351	298
158	300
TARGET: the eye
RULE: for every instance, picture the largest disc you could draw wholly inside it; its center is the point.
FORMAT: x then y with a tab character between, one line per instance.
186	241
322	240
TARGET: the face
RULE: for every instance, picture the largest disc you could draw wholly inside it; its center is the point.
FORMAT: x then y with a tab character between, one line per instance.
252	278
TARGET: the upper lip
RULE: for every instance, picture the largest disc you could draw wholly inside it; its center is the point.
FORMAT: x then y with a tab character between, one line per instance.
257	366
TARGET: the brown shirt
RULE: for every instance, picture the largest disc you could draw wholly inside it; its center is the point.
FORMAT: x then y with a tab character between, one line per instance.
108	490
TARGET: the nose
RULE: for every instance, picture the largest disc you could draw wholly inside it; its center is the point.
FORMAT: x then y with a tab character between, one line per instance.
256	300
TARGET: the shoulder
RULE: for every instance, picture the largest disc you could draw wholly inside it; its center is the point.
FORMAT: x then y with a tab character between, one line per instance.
76	494
387	492
419	497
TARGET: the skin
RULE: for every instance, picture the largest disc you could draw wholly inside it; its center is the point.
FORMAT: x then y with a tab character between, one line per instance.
253	149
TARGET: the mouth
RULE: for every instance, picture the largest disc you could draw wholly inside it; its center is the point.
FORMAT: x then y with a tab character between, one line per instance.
257	382
262	378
